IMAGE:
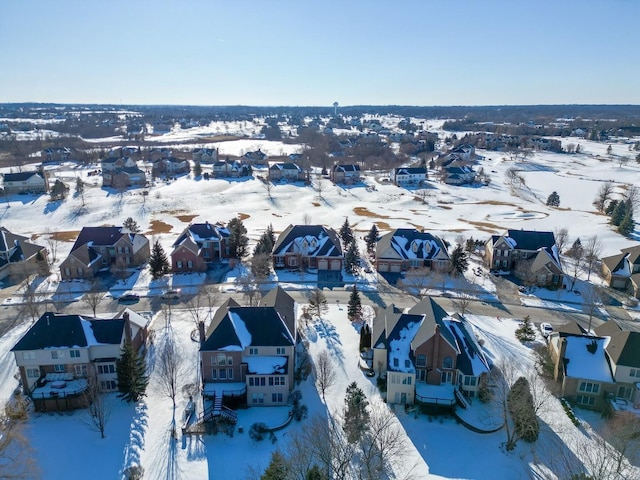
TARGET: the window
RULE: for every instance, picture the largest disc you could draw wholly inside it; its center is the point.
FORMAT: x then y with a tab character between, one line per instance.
189	264
214	360
179	264
106	368
54	354
498	253
80	272
589	387
586	400
108	385
223	374
470	381
406	381
257	398
28	355
635	372
396	362
280	351
230	373
222	360
447	362
253	351
421	361
58	368
276	397
407	363
81	370
229	360
67	272
126	249
214	373
414	263
74	353
33	372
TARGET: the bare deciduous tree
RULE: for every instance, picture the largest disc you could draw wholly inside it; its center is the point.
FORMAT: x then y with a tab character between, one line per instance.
16	455
562	238
592	250
325	372
169	366
603	196
93	297
98	410
52	246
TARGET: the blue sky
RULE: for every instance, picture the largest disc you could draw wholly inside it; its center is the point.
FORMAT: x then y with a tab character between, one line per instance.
303	52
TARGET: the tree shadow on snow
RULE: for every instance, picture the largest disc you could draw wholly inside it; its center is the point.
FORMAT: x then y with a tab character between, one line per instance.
136	438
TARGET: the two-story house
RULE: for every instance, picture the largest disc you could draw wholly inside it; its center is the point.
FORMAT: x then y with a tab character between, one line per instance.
405	248
60	353
121	172
285	171
347	174
408	176
98	248
25	182
622	271
532	256
308	246
170	166
248	354
205	155
230	169
18	256
199	246
427	356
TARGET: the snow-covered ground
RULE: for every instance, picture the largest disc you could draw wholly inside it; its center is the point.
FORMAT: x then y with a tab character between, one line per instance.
140	433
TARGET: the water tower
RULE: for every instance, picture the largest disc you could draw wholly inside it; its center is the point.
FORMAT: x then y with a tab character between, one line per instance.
335	109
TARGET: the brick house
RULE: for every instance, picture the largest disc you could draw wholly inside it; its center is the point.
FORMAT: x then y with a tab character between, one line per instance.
532	256
289	172
308	246
18	255
404	248
347	174
99	248
198	247
622	271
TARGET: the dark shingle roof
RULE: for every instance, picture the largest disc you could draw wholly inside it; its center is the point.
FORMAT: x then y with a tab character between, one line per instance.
531	240
264	325
59	330
98	236
329	248
624	348
19	177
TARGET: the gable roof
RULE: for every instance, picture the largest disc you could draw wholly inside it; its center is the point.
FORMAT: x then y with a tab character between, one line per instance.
410	171
580	362
219	315
284	304
531	239
242	327
292	238
103	236
409	243
198	233
347	168
624	348
470	359
55	330
21	176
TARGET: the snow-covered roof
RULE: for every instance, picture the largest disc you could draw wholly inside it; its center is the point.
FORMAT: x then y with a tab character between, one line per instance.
241	329
400	348
265	365
587	363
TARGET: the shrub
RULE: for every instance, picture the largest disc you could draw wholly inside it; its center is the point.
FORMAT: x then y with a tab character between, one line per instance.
258	431
569	411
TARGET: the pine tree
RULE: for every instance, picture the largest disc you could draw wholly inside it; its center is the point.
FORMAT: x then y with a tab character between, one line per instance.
553	200
158	262
346	233
576	249
131	225
354	308
627	225
277	469
611	206
618	213
470	245
197	169
365	337
271	235
459	260
356	414
525	332
314	473
238	239
59	190
265	243
132	379
351	259
371	239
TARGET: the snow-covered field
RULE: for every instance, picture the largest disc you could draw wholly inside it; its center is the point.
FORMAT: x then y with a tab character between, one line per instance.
440	448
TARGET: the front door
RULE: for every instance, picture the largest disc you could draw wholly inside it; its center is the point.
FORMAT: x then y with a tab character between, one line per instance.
447	377
403	398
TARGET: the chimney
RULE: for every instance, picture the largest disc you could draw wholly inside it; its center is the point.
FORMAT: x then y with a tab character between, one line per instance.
127	326
558	370
201	330
436	349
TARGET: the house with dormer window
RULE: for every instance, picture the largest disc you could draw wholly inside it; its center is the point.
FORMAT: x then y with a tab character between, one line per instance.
408	176
404	249
18	255
427	356
199	247
622	271
286	171
308	246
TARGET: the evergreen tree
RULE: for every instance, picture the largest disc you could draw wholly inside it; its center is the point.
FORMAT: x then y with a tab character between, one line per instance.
346	233
351	259
197	169
271	235
356	414
618	213
265	242
314	473
459	260
576	249
277	469
130	369
131	225
238	239
611	206
354	308
158	262
470	245
553	200
371	239
525	332
365	337
627	225
59	190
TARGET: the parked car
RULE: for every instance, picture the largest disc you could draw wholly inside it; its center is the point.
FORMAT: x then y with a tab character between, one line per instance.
546	329
171	295
129	298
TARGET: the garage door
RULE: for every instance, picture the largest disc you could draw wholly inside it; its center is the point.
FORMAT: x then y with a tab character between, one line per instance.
383	267
396	267
619	283
335	265
323	264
